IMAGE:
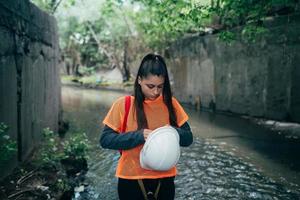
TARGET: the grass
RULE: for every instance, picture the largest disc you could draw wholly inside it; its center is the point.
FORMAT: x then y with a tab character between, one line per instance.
93	81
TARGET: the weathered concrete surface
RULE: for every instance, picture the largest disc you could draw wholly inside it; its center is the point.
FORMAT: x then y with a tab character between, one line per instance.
260	79
29	79
295	86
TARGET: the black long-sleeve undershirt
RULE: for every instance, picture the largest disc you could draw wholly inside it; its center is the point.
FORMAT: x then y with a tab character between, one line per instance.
111	139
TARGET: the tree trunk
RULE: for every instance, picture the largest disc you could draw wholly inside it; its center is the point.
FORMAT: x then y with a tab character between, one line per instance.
126	76
111	55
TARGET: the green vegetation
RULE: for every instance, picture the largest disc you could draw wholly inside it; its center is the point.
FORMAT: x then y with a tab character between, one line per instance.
54	149
162	22
77	146
88	81
62	184
169	20
51	172
50	152
8	146
112	33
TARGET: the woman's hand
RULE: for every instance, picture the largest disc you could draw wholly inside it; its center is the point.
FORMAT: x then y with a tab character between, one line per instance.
146	133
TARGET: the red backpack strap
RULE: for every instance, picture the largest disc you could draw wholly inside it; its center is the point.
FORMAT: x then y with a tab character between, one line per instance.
127	107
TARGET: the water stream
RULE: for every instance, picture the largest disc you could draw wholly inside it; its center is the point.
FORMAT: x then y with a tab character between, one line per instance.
230	158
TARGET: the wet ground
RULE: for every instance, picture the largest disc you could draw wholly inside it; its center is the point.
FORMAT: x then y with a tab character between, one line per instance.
231	158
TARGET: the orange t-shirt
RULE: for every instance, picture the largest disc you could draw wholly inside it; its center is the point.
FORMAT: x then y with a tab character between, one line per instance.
157	116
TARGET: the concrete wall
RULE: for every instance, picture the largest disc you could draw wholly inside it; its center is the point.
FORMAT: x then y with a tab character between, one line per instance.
29	80
261	79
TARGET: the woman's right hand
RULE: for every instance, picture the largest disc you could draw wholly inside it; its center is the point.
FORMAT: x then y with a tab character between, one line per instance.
146	133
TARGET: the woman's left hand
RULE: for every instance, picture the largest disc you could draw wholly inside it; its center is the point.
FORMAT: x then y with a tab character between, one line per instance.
146	133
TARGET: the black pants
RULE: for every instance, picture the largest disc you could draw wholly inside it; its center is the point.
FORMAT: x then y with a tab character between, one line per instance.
130	189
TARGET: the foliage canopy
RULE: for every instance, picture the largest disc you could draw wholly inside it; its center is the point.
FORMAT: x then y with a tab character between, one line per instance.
105	29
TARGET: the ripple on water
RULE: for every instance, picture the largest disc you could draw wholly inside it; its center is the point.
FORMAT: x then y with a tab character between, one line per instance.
208	172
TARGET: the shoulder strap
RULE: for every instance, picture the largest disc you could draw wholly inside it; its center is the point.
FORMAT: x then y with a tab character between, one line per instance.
127	108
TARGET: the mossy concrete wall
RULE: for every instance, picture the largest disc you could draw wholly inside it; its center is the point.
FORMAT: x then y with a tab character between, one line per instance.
29	79
260	79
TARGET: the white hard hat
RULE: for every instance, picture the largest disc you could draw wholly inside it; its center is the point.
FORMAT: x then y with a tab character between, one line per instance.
161	150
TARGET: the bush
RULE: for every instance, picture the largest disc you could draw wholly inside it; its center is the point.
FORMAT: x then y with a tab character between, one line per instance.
53	151
8	146
77	146
50	151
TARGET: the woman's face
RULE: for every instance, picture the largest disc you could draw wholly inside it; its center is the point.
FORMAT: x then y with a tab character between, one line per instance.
152	86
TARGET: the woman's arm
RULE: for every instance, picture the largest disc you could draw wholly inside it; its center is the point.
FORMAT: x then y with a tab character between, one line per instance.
185	135
111	139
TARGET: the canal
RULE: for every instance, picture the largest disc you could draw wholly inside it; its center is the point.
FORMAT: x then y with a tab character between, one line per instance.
231	158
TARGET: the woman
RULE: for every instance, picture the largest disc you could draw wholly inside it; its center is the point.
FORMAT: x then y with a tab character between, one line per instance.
152	106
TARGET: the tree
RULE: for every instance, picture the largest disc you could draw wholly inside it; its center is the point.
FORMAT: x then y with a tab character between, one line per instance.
168	20
100	31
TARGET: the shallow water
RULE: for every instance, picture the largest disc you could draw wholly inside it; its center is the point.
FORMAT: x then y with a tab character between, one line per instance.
230	158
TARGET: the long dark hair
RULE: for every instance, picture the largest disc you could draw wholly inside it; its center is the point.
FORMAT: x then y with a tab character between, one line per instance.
153	64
